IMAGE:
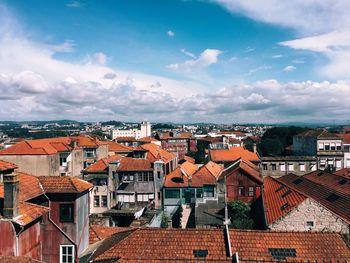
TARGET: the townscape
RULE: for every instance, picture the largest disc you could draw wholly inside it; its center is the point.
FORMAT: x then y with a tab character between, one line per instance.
170	194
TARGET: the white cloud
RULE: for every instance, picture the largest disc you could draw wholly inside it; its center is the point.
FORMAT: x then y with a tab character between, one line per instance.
205	59
99	58
277	56
323	26
289	68
74	4
298	61
188	53
261	68
170	33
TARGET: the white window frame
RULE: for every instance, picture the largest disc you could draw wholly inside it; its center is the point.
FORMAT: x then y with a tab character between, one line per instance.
338	163
282	167
321	146
302	167
61	253
290	167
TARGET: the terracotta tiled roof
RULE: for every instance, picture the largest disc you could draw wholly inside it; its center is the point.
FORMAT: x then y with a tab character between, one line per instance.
346	138
63	184
334	201
102	164
253	246
134	164
29	187
331	181
98	233
49	146
148	139
168	245
214	168
318	133
155	153
7	166
247	167
188	175
276	196
29	212
118	147
189	159
125	139
233	154
182	245
12	259
343	172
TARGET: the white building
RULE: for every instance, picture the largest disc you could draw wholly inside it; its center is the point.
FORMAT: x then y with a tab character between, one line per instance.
144	131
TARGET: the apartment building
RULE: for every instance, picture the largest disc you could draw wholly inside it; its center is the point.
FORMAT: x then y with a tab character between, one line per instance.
143	131
346	147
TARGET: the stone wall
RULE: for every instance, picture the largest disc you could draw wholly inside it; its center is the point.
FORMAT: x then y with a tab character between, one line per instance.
310	210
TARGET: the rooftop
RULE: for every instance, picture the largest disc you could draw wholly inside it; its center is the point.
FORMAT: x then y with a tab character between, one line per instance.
233	154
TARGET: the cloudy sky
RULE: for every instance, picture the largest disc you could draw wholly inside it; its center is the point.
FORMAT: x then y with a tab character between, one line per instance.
220	61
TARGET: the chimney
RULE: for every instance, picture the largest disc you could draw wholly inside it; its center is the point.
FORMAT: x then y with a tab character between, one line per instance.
254	147
11	191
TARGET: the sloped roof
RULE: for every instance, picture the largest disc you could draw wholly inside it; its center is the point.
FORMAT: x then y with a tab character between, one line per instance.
118	147
189	168
155	153
318	133
189	159
49	146
345	172
102	164
182	245
134	164
64	184
233	154
346	138
334	201
29	212
97	232
276	195
4	166
148	139
247	167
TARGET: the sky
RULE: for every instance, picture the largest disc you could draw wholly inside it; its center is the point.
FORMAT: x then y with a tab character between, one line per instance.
222	61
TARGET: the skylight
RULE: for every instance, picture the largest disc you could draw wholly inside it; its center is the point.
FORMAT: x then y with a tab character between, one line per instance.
283	253
332	198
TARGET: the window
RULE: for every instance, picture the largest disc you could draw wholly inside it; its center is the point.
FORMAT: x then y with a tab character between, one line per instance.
151	177
145	177
302	167
208	191
158	195
290	167
321	146
240	191
172	193
66	212
139	176
158	174
273	167
310	224
63	161
338	163
282	167
90	153
338	144
66	253
199	193
332	146
104	201
251	191
264	166
313	167
327	146
96	201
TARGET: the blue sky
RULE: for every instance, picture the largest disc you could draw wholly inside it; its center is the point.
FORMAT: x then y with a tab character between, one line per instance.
225	61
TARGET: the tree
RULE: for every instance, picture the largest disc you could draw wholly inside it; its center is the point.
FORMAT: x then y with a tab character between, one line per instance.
164	223
240	215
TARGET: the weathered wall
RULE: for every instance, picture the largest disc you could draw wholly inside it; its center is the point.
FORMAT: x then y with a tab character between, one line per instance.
82	222
7	240
39	165
310	210
102	152
30	242
77	162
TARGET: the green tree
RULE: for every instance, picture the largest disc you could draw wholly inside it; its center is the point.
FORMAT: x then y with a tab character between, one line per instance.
164	223
240	215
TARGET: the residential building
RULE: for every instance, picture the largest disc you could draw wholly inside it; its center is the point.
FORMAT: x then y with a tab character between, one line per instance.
241	181
176	142
204	144
317	201
327	147
144	131
346	147
118	148
189	186
231	134
219	245
55	156
45	218
233	154
281	165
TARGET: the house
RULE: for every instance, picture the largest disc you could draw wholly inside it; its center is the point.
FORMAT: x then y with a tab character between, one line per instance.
231	134
204	144
45	218
149	139
233	154
281	165
346	148
219	245
241	181
118	148
317	201
327	147
188	186
176	142
55	156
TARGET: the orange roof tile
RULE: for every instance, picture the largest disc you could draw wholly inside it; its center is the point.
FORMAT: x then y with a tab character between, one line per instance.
148	139
118	147
233	154
155	153
346	138
309	246
345	172
247	167
98	232
188	168
7	166
63	184
28	212
275	196
189	159
102	164
214	168
134	164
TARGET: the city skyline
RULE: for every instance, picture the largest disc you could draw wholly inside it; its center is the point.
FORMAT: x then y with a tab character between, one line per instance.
181	61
